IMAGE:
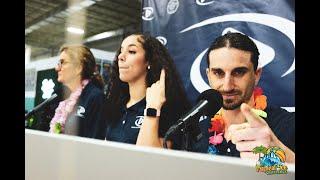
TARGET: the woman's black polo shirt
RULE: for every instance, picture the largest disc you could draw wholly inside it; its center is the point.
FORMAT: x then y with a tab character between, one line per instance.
127	128
88	117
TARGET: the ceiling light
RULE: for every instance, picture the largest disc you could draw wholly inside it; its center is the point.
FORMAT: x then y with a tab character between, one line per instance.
105	35
74	8
75	30
87	3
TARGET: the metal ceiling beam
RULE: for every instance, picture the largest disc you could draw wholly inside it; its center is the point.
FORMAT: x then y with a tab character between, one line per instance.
129	4
128	14
63	6
63	9
104	18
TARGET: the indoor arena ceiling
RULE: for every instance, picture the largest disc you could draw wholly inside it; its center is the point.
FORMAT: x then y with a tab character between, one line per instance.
46	23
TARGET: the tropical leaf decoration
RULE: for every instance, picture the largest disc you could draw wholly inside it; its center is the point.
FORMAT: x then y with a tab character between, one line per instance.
260	149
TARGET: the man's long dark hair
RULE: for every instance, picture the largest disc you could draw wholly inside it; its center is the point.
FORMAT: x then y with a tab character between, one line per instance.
238	41
157	57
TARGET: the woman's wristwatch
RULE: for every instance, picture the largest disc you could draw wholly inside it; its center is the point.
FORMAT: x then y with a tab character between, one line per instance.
152	112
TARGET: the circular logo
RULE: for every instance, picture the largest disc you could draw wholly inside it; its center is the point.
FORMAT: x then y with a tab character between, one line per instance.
162	39
81	110
203	2
139	121
147	13
283	25
172	6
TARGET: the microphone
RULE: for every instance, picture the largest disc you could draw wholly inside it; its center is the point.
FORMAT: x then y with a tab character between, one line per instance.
209	103
41	106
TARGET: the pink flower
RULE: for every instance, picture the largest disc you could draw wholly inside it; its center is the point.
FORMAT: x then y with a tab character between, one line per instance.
216	139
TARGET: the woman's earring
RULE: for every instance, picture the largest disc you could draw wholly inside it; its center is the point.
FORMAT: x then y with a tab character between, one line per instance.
148	67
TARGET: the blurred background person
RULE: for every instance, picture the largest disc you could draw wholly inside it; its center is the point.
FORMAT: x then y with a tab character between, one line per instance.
82	112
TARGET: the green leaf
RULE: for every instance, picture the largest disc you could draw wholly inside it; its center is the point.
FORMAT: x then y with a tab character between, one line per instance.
57	128
30	122
260	113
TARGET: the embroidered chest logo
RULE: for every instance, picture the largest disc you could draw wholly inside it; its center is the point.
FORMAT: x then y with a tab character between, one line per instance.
138	122
80	111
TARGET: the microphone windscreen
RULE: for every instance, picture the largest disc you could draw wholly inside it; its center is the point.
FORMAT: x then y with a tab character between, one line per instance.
214	99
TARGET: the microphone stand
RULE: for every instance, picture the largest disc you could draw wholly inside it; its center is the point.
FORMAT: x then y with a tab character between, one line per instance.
39	107
186	138
186	146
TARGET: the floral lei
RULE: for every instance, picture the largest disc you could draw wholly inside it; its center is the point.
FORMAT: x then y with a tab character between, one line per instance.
218	124
64	109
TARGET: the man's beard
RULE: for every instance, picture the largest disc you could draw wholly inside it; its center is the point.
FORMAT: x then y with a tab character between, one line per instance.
228	104
232	104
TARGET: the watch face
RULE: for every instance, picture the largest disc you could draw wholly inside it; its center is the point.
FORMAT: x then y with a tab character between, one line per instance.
151	112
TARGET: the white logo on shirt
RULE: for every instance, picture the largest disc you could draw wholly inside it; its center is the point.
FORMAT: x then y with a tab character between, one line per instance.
80	111
202	118
138	122
147	13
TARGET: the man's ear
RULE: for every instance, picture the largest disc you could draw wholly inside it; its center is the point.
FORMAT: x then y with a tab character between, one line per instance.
257	75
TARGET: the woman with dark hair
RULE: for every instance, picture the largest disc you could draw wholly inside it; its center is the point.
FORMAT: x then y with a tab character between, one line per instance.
82	113
145	95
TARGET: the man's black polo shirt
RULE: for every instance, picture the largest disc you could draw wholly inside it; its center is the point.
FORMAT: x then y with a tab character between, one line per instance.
281	122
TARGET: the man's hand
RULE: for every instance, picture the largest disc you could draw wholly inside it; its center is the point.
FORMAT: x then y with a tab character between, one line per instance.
246	136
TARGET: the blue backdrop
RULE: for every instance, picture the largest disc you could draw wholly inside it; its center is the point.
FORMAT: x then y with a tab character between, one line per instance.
187	27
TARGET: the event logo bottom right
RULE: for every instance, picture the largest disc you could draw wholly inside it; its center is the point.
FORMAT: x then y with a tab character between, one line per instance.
272	161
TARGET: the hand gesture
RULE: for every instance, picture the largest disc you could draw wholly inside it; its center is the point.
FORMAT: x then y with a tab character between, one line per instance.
246	136
156	94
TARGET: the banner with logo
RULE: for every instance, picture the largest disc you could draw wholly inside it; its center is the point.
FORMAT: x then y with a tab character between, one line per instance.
187	27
